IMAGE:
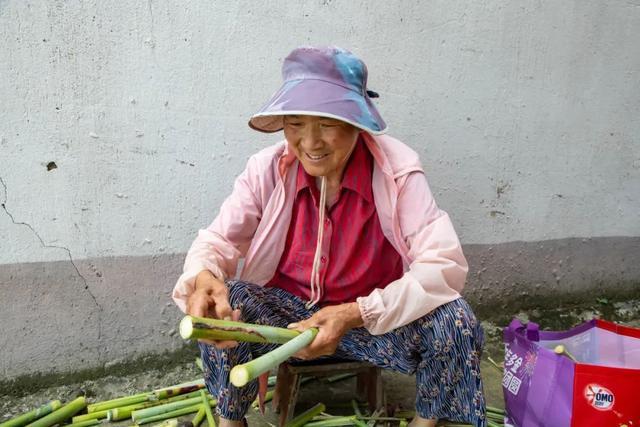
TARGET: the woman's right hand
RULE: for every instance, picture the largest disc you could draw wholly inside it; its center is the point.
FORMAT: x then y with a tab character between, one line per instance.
211	299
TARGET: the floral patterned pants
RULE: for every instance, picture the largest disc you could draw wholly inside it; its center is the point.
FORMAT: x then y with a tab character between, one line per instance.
442	349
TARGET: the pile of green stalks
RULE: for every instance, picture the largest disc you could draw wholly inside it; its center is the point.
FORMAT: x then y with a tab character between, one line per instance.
156	406
317	417
165	406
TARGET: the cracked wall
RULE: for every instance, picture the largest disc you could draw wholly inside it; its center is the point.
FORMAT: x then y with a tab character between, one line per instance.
122	127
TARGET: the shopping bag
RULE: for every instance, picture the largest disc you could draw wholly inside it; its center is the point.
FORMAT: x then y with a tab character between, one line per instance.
545	389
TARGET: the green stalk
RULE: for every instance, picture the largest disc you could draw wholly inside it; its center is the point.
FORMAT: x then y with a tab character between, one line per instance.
118	402
195	422
199	364
497	411
492	424
177	390
268	396
31	416
168	407
356	408
375	414
333	422
240	375
192	327
187	384
359	423
167	415
62	414
375	418
306	416
498	366
161	409
92	416
207	409
118	414
272	381
84	423
494	416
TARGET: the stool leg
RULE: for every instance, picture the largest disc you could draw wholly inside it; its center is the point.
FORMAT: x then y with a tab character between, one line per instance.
283	383
375	389
288	404
361	386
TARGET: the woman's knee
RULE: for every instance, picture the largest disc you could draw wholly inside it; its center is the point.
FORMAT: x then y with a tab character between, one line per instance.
240	292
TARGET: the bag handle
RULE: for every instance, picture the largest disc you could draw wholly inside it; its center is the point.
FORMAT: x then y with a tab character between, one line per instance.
533	331
510	331
516	326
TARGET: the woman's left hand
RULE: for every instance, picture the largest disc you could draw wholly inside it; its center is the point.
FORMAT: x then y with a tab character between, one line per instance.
332	323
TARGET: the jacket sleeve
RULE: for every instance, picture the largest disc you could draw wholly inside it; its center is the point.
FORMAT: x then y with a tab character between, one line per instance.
219	247
437	268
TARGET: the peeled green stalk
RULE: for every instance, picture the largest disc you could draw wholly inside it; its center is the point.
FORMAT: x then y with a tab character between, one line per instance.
62	414
240	375
207	409
176	391
118	402
192	327
306	416
118	414
92	416
172	414
161	409
31	416
84	423
333	422
195	422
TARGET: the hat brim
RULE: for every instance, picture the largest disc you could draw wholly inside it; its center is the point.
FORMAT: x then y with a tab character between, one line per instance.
318	98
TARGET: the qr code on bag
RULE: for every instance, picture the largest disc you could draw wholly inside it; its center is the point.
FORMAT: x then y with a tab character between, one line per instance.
511	382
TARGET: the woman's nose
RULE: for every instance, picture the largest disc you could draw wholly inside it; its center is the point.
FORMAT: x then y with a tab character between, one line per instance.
311	136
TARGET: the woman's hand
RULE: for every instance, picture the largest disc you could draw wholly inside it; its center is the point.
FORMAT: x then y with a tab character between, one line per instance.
332	323
211	299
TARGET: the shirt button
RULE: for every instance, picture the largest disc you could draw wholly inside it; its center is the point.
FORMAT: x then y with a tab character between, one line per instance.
323	259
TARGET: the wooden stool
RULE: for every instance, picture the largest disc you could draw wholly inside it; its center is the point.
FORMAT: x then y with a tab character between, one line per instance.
369	383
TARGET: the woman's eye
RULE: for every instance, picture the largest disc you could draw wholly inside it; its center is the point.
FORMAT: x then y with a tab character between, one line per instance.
294	124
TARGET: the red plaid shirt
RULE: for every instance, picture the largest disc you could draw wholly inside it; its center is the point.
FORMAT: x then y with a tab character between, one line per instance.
356	257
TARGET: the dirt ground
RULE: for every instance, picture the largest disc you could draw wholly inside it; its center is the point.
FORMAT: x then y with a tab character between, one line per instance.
399	389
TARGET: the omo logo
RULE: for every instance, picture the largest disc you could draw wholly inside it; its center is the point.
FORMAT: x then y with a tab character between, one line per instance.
599	397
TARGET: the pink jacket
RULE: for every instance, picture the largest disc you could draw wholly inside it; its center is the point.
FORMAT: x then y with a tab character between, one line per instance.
254	220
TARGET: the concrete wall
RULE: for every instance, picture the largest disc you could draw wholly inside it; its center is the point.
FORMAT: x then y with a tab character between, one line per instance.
525	114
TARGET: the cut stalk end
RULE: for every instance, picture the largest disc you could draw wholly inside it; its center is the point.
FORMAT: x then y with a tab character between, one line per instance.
186	327
239	376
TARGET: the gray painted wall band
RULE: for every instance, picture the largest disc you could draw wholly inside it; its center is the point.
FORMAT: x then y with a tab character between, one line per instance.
53	324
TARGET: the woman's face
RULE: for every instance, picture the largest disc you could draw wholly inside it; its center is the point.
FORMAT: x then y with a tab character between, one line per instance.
322	145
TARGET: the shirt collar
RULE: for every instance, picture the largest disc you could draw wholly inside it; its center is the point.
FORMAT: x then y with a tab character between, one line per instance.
357	174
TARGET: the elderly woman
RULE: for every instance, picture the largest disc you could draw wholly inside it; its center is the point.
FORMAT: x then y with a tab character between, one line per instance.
338	230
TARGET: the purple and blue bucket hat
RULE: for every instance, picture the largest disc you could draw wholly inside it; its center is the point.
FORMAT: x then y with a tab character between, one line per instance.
327	82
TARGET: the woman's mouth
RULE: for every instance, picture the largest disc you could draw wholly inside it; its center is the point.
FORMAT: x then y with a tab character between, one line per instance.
315	157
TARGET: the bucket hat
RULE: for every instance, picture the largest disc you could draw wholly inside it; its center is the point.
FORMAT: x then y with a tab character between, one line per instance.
322	81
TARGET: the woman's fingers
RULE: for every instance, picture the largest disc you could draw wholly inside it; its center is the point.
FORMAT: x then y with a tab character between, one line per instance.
222	308
198	305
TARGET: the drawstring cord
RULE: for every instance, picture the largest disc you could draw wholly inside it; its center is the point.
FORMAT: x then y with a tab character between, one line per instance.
315	274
